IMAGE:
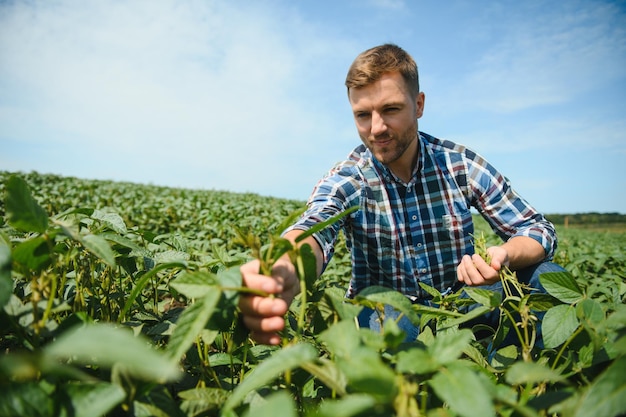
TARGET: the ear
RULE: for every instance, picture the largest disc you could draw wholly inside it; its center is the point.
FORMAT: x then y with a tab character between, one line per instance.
419	105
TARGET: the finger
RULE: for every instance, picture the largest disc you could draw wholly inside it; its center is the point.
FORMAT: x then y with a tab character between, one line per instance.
253	305
266	338
255	281
472	273
264	325
486	273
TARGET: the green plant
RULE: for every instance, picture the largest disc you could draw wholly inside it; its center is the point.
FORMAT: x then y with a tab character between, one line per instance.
124	302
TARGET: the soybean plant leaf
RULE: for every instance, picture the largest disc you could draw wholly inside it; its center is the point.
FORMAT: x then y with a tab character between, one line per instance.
268	370
195	284
485	297
449	346
190	324
464	391
558	325
6	283
376	378
327	372
322	225
277	404
126	242
561	285
230	278
99	247
342	338
23	211
391	297
25	399
416	360
145	278
87	400
33	253
157	402
199	400
348	406
531	373
607	394
432	291
105	345
590	311
112	220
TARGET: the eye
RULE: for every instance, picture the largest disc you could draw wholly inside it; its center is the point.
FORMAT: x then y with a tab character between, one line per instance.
362	115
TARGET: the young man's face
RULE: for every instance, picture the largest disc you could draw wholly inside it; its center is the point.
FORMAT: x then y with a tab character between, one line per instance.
386	116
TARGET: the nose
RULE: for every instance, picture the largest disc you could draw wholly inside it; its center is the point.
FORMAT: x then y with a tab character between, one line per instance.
378	124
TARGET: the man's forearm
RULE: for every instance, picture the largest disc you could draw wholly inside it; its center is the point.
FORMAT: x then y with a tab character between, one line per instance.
315	247
523	251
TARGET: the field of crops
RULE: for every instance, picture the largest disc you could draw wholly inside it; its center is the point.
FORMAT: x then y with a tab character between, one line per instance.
120	299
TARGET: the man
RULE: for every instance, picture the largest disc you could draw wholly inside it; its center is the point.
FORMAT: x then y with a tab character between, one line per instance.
414	193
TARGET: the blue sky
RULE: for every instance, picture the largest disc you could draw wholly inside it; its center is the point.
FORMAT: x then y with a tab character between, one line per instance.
248	96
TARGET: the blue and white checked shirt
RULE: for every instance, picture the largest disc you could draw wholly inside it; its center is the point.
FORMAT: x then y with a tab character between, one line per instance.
404	234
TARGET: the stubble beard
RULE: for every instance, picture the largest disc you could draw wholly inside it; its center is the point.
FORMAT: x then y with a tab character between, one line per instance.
400	143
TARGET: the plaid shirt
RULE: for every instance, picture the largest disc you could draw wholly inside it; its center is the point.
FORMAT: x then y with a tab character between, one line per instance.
404	234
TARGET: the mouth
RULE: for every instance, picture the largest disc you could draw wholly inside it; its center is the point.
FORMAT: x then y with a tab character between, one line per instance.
381	142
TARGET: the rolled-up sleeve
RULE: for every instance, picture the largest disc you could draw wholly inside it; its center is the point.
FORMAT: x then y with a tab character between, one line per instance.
504	209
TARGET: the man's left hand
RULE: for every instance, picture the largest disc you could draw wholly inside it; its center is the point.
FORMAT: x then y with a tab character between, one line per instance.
474	271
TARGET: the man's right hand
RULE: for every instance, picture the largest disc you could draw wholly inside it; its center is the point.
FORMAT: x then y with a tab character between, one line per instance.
264	316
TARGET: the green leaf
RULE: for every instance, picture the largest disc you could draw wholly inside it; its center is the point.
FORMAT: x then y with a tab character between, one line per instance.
23	211
561	285
590	311
99	247
607	394
105	345
190	323
157	402
485	297
322	225
465	393
327	372
277	404
342	338
145	278
449	346
395	299
26	399
126	242
367	373
88	399
195	284
416	360
531	372
113	220
33	253
348	406
268	370
558	325
6	283
197	401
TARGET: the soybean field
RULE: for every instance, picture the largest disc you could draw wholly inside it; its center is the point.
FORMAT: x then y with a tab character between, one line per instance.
120	299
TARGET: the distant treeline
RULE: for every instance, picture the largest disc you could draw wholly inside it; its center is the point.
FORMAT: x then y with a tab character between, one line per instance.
586	218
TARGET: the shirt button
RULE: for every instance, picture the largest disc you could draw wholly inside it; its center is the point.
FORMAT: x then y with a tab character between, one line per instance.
419	245
423	271
414	217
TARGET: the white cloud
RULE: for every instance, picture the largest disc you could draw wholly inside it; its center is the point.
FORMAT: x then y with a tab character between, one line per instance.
201	90
542	55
